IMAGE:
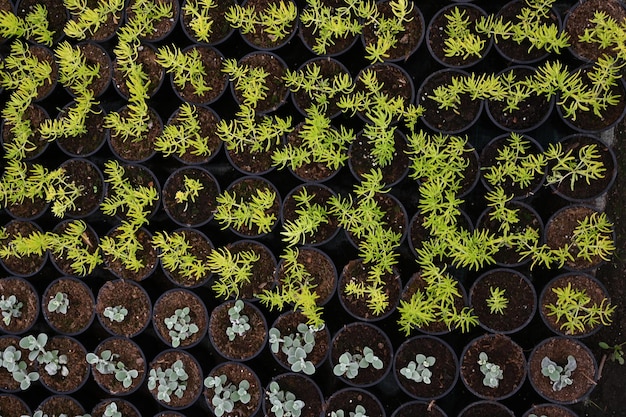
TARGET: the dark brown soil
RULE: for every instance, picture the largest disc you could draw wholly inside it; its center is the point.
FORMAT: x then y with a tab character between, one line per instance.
61	404
407	40
25	294
353	338
88	177
146	57
558	349
287	324
217	80
362	161
123	406
322	271
148	256
220	29
418	233
208	120
13	406
24	265
258	37
89	241
277	91
245	346
235	373
27	209
578	282
176	299
81	309
263	270
36	144
130	354
551	410
76	364
419	408
501	351
161	28
347	400
304	389
194	383
89	142
358	272
486	408
522	300
129	295
321	194
107	28
7	383
193	212
140	148
249	162
444	370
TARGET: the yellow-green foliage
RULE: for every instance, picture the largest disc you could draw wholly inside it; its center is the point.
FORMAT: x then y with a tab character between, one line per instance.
87	21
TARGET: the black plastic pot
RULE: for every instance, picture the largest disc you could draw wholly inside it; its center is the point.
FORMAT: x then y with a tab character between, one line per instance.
80	310
486	408
24	293
304	389
165	360
347	399
235	373
194	211
130	295
131	355
23	266
76	363
168	304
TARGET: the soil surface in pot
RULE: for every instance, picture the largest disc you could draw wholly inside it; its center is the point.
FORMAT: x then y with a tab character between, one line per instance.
194	381
348	399
244	346
262	271
216	80
88	177
123	407
323	275
178	299
287	324
7	383
59	404
130	296
24	294
130	355
320	196
23	265
235	373
194	211
80	311
76	364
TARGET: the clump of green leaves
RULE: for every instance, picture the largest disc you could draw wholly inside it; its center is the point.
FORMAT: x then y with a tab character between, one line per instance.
232	270
226	394
180	326
184	135
387	30
186	68
350	363
247	212
176	257
59	303
560	376
11	307
169	381
107	364
284	403
10	360
497	301
296	346
418	370
115	313
87	21
276	19
201	22
35	26
239	323
52	362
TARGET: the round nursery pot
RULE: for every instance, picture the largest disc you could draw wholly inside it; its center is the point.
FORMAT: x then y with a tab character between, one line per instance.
260	38
357	305
575	304
245	191
275	68
406	40
123	351
72	261
36	144
531	113
192	21
292	324
158	381
20	305
200	125
76	369
147	255
95	54
137	176
136	149
436	35
56	405
578	20
420	233
395	217
302	205
311	27
180	308
125	408
88	143
527	218
318	265
13	406
497	156
348	399
162	27
197	245
356	341
147	57
331	70
524	51
520	306
87	176
590	244
447	121
425	367
238	345
22	265
251	162
302	387
213	79
107	29
189	196
117	294
486	408
69	306
10	346
419	408
497	375
549	410
235	373
262	275
591	150
362	158
571	384
55	20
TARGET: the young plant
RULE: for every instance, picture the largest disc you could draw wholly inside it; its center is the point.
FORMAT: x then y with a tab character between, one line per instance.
59	303
606	32
87	21
51	360
115	313
250	212
111	410
168	382
10	308
176	257
248	81
184	135
239	323
74	244
593	237
226	394
560	376
10	360
492	373
576	313
359	411
201	22
310	217
233	270
387	30
617	351
107	364
349	364
460	37
296	346
275	19
284	403
587	165
33	27
143	15
418	370
186	68
180	326
497	301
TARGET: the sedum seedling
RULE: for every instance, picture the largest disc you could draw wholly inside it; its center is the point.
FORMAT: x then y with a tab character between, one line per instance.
492	372
10	307
107	363
168	382
418	370
560	376
180	326
239	323
296	346
349	364
226	394
284	403
116	314
59	303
